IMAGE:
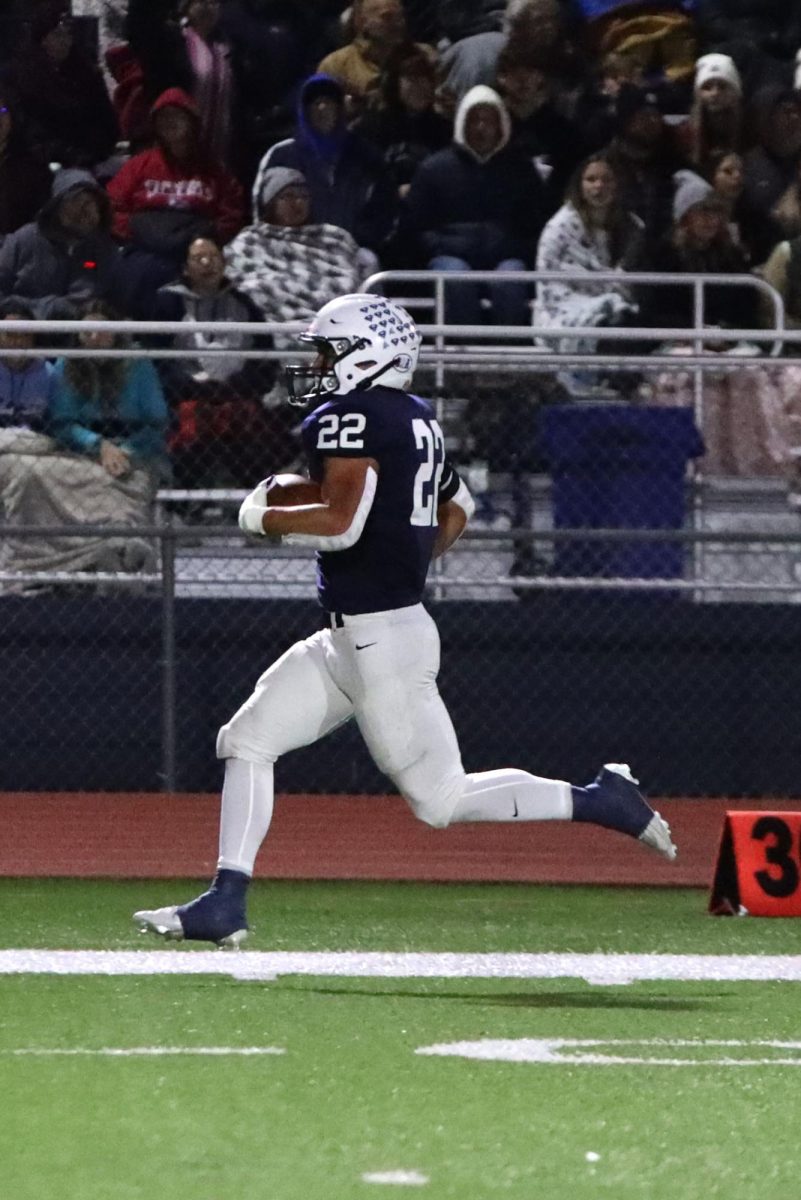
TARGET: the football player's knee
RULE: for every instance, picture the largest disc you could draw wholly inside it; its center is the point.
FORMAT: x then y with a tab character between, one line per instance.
434	806
237	740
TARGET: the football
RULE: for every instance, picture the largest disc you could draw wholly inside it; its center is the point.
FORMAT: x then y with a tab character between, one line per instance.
289	491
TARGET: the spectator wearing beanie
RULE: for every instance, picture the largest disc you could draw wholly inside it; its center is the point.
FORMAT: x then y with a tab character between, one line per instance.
68	115
284	263
699	242
770	166
715	122
347	180
644	158
762	36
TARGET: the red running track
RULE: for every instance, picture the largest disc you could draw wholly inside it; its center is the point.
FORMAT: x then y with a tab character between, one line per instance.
341	837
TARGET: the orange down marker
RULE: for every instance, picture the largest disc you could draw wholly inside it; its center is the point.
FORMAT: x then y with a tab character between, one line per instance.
758	871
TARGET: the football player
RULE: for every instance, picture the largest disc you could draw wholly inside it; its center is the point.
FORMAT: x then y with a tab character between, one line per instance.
381	501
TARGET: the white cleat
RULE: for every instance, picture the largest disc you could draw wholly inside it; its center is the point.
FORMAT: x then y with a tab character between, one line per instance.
657	835
164	922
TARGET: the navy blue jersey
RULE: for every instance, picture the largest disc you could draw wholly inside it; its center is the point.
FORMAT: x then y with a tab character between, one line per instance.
387	567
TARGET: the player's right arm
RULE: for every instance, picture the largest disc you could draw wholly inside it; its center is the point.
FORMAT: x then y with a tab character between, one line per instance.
334	522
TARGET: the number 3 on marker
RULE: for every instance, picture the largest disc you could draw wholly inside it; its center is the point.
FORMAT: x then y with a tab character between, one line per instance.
778	856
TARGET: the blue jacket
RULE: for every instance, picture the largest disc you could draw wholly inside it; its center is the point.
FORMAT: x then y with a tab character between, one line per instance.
348	182
137	422
24	395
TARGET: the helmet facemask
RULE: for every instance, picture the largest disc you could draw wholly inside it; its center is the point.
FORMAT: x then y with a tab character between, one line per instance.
306	381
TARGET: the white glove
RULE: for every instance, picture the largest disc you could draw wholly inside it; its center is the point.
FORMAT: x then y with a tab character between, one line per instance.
253	508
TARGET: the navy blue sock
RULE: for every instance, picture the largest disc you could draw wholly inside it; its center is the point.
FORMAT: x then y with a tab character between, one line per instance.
231	884
584	804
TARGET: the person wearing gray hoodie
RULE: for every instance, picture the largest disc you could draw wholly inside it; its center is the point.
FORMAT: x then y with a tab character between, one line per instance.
67	255
479	204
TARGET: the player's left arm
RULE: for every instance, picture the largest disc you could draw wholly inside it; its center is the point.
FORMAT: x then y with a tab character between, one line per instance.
335	523
455	508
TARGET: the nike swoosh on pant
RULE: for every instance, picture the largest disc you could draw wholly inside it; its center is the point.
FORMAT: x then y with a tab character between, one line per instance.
366	645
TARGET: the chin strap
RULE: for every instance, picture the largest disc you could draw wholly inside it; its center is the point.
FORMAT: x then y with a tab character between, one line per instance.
366	383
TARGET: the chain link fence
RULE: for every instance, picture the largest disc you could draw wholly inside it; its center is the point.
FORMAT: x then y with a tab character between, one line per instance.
628	590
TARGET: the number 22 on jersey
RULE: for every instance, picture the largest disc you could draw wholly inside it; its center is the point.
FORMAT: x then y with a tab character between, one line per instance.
430	443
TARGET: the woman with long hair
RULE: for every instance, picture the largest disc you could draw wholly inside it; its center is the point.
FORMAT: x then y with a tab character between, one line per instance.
756	233
109	414
715	122
590	232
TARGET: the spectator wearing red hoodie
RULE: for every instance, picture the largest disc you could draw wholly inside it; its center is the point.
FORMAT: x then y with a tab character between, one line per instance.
167	196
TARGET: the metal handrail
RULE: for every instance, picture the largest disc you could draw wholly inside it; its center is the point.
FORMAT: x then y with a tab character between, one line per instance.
697	280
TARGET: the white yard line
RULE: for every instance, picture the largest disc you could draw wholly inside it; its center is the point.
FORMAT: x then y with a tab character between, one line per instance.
399	1178
712	1052
143	1051
258	965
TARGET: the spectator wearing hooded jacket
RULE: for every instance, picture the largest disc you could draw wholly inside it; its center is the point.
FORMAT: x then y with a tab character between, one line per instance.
348	183
67	255
479	204
24	180
68	114
166	196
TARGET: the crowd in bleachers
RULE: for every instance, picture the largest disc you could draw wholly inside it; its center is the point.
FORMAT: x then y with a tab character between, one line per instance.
250	159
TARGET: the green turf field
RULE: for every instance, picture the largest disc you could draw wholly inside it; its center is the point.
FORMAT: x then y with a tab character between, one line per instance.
346	1098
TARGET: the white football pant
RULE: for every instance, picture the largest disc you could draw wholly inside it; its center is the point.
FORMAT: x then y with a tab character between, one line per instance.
381	669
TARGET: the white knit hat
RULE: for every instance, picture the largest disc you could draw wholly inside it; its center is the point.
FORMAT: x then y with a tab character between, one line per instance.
691	189
717	66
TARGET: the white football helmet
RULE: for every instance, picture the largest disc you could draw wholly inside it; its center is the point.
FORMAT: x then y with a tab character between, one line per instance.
363	340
